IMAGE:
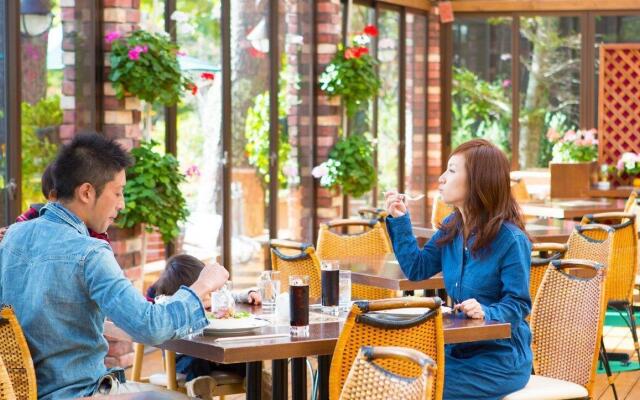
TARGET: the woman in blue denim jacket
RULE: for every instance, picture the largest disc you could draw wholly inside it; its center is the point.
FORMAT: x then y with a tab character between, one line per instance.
484	255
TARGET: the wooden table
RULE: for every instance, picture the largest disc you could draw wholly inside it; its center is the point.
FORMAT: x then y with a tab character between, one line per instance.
541	230
384	272
619	192
321	342
571	208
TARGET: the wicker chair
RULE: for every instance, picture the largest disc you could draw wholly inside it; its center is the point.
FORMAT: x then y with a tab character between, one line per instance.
439	211
519	190
543	254
16	356
294	258
373	241
632	206
6	388
376	213
368	381
566	324
623	264
365	327
222	383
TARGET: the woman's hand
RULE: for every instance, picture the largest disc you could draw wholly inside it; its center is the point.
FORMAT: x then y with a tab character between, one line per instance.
254	298
471	308
394	204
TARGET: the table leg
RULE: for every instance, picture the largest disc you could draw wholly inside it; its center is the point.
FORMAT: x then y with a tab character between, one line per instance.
279	383
324	363
408	292
254	380
299	378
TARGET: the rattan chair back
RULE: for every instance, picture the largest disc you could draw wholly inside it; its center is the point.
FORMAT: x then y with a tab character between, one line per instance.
366	326
294	258
372	241
519	190
566	321
439	211
6	388
16	356
377	213
631	202
623	260
542	255
369	381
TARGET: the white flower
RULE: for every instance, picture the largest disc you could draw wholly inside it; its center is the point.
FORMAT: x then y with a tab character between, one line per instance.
361	40
180	16
320	171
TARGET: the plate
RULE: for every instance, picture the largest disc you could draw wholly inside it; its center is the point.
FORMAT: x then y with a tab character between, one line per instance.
232	325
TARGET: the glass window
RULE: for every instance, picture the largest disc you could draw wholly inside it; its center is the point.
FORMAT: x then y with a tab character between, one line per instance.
3	117
481	98
549	83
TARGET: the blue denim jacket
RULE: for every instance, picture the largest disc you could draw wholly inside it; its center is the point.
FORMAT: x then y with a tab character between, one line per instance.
62	284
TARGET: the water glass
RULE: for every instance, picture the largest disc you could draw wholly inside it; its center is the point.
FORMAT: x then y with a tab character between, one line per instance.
269	288
330	276
345	290
223	305
299	305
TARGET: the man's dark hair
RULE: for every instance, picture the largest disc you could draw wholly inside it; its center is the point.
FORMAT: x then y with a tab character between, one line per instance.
89	158
47	181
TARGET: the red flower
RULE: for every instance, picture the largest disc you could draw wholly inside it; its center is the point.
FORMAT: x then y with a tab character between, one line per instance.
207	76
193	88
371	30
255	53
360	51
350	53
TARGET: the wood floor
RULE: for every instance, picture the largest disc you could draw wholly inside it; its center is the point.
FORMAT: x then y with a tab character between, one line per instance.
618	339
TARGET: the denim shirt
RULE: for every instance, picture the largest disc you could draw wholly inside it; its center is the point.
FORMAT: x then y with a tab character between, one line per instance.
62	283
497	279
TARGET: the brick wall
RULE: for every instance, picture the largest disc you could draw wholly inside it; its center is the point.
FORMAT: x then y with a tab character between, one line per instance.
434	134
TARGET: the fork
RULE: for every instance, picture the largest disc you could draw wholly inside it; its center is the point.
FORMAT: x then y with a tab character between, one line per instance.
409	197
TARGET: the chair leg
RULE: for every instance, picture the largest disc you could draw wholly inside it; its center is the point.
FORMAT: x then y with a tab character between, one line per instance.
634	331
138	355
170	368
607	368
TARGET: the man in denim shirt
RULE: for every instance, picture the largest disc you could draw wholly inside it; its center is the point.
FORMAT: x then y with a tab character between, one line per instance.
62	283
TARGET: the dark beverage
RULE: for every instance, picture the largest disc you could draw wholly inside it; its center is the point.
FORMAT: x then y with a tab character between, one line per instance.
299	305
330	287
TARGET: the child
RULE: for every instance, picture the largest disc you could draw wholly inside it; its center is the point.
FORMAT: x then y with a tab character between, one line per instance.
183	269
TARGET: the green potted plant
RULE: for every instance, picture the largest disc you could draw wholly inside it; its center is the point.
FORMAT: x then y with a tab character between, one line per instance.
153	197
573	167
145	65
349	166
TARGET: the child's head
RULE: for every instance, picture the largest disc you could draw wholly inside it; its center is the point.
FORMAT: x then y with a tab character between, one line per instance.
181	269
48	185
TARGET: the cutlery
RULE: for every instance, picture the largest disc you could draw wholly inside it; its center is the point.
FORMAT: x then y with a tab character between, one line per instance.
410	197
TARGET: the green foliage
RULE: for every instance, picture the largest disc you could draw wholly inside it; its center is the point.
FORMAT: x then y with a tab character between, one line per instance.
257	124
350	166
352	76
480	109
155	75
37	149
152	194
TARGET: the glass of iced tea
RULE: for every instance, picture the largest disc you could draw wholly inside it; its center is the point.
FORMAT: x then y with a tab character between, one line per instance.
330	276
299	304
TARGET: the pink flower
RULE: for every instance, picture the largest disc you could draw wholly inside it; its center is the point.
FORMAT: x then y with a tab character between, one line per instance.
181	53
620	165
193	171
112	36
134	54
319	171
553	135
506	83
569	136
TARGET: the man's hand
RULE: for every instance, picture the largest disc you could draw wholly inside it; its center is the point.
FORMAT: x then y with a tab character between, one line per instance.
211	278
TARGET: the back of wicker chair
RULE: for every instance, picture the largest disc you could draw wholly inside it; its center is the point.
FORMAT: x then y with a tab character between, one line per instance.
377	213
372	241
542	255
365	327
519	190
623	263
439	211
566	322
293	258
6	388
631	202
369	381
16	356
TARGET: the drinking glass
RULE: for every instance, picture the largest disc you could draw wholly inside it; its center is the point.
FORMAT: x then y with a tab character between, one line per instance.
269	288
345	290
330	276
299	305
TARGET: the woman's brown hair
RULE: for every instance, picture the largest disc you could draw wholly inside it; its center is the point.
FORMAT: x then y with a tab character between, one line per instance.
489	201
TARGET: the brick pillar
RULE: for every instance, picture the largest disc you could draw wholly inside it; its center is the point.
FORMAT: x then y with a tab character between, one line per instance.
122	123
434	136
329	31
68	100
